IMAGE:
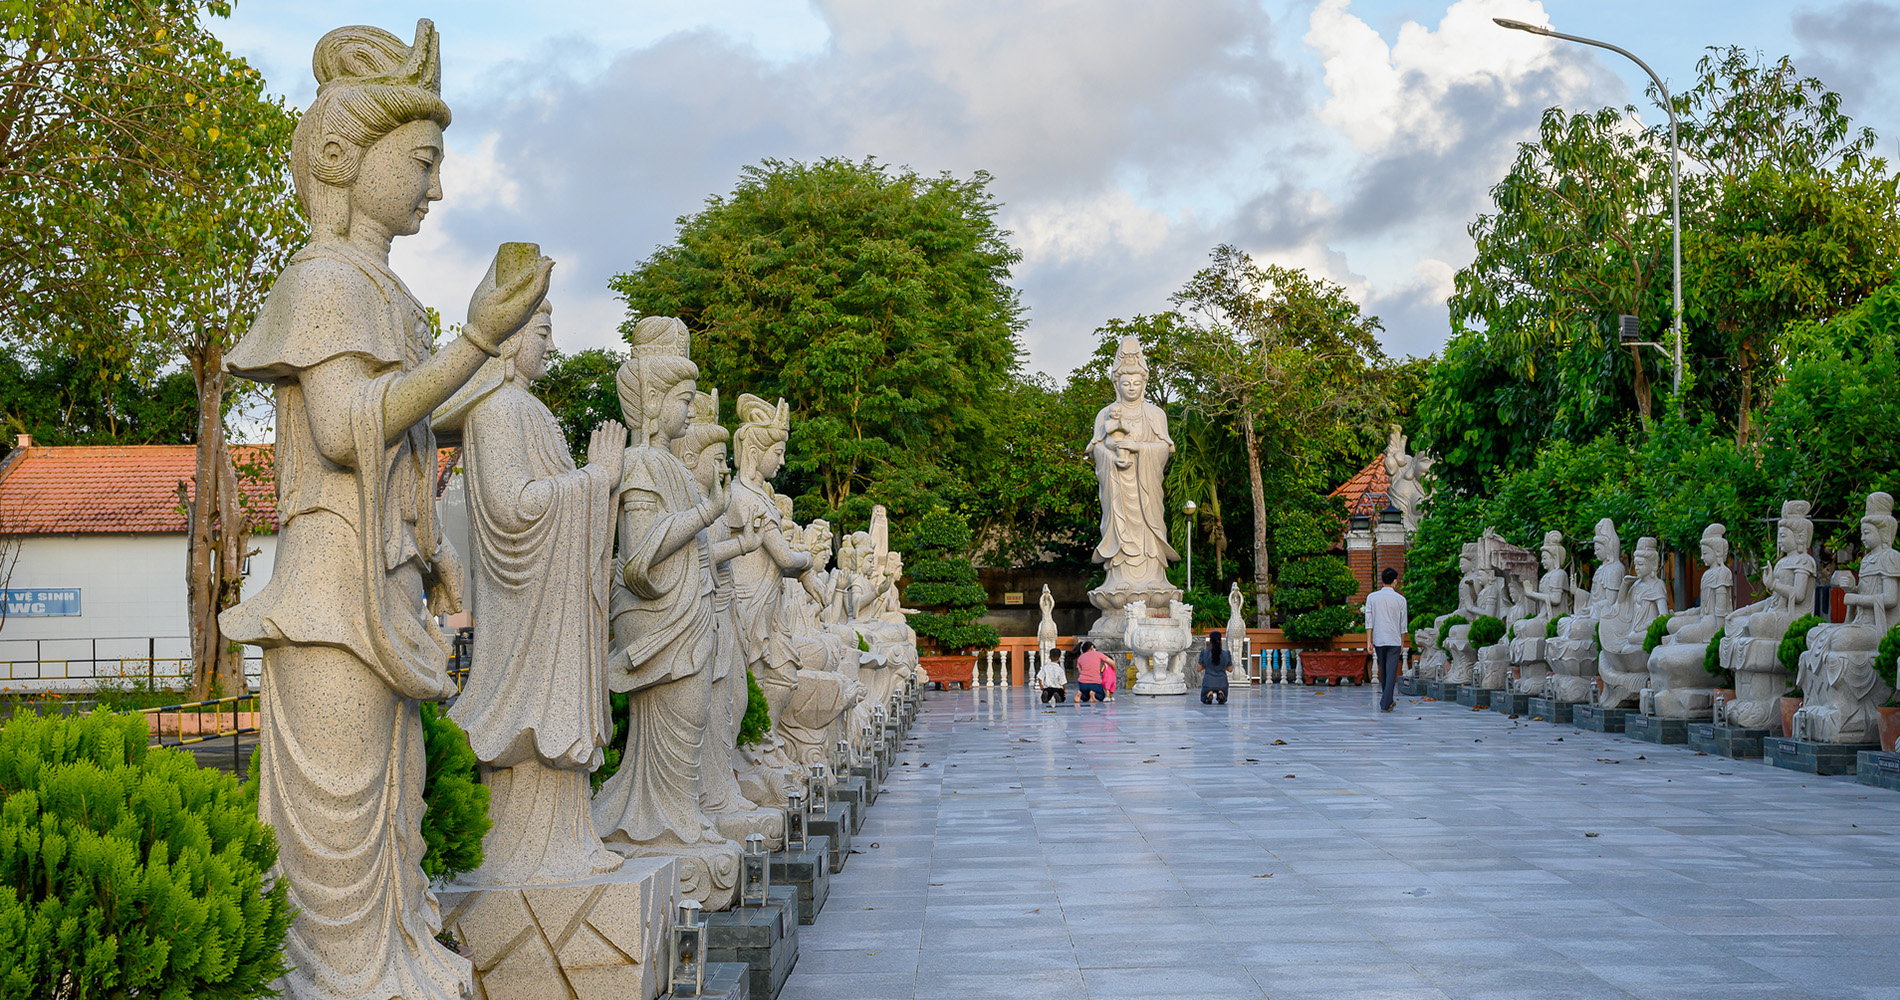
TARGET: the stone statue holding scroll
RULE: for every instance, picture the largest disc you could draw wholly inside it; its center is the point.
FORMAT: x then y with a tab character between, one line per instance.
1130	449
347	620
664	638
535	703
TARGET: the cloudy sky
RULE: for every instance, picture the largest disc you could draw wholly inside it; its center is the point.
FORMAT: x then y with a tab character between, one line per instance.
1355	138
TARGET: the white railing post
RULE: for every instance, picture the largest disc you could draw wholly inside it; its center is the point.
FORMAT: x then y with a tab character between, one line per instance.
976	665
1299	669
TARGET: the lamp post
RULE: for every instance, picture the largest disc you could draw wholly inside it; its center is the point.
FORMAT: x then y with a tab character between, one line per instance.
1189	509
1675	157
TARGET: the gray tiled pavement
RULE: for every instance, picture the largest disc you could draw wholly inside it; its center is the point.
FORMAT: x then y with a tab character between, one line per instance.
1158	847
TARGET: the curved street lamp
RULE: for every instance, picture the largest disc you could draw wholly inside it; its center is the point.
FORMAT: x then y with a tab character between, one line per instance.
1675	157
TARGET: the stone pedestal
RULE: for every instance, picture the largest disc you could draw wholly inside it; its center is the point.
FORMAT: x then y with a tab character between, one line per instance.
1410	686
1726	741
1474	697
1809	757
1655	729
765	938
1441	691
809	873
873	775
1878	768
834	824
724	981
602	938
1552	710
1510	702
857	791
1597	719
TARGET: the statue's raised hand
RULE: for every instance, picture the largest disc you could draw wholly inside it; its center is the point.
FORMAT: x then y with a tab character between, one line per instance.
607	450
502	306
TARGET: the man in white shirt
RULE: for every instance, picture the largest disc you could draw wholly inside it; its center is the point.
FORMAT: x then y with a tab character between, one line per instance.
1385	624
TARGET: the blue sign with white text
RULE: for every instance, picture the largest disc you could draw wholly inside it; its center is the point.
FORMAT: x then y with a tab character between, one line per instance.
43	603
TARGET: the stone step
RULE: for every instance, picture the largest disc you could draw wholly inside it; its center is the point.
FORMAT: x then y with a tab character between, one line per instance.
1878	768
1655	729
1410	686
809	872
1809	757
835	824
1553	711
1510	702
1596	719
764	938
1726	741
1472	696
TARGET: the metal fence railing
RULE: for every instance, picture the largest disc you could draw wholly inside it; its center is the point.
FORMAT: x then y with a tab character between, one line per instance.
192	724
80	664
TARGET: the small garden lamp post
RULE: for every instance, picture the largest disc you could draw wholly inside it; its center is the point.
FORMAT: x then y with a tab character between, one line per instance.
1189	509
1675	157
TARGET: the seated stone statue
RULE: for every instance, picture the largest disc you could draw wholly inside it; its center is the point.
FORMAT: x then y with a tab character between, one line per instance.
1623	666
823	692
1683	688
1751	649
1475	598
1573	662
1493	671
1552	596
1837	677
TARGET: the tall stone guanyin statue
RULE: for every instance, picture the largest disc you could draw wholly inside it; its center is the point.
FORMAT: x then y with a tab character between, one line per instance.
1552	596
1683	686
767	773
702	450
1842	691
347	620
1573	662
1751	648
1130	449
664	638
535	704
1623	666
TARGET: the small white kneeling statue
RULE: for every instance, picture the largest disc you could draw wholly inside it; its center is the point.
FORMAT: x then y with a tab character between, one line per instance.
535	704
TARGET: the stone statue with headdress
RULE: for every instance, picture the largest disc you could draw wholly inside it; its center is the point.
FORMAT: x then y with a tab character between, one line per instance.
1842	690
665	639
347	621
1751	648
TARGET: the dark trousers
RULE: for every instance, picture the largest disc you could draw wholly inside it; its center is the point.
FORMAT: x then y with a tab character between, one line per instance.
1060	694
1208	695
1388	674
1082	692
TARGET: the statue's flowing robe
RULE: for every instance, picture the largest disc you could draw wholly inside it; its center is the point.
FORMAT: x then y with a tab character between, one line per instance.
664	644
348	641
1134	541
535	704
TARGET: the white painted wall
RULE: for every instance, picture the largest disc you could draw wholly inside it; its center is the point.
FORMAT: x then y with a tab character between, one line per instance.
132	592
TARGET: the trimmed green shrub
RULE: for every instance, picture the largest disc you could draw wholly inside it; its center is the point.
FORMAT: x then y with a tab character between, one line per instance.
1712	659
943	584
1794	642
1444	630
1654	637
1322	624
128	871
1556	625
457	817
1486	631
1421	621
1884	661
617	709
757	724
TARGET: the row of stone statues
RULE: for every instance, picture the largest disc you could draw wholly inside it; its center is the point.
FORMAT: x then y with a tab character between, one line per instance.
1573	644
643	571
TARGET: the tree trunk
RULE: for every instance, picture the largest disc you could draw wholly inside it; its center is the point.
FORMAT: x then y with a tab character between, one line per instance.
1743	428
216	538
1642	386
1263	599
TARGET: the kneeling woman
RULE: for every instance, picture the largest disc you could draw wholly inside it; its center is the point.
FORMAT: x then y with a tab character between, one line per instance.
1215	663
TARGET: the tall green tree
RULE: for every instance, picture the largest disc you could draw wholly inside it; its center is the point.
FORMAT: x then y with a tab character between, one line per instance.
145	207
876	301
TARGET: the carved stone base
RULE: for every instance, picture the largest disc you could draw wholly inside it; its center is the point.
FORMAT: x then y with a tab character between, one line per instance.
708	872
1472	696
1510	702
1814	758
1598	719
1552	710
1879	769
1655	729
1570	687
602	938
1161	684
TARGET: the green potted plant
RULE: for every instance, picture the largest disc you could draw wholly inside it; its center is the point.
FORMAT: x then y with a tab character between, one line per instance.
947	597
1313	633
1712	662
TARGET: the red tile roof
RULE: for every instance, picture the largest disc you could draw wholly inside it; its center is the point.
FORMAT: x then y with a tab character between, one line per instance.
125	489
1365	492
